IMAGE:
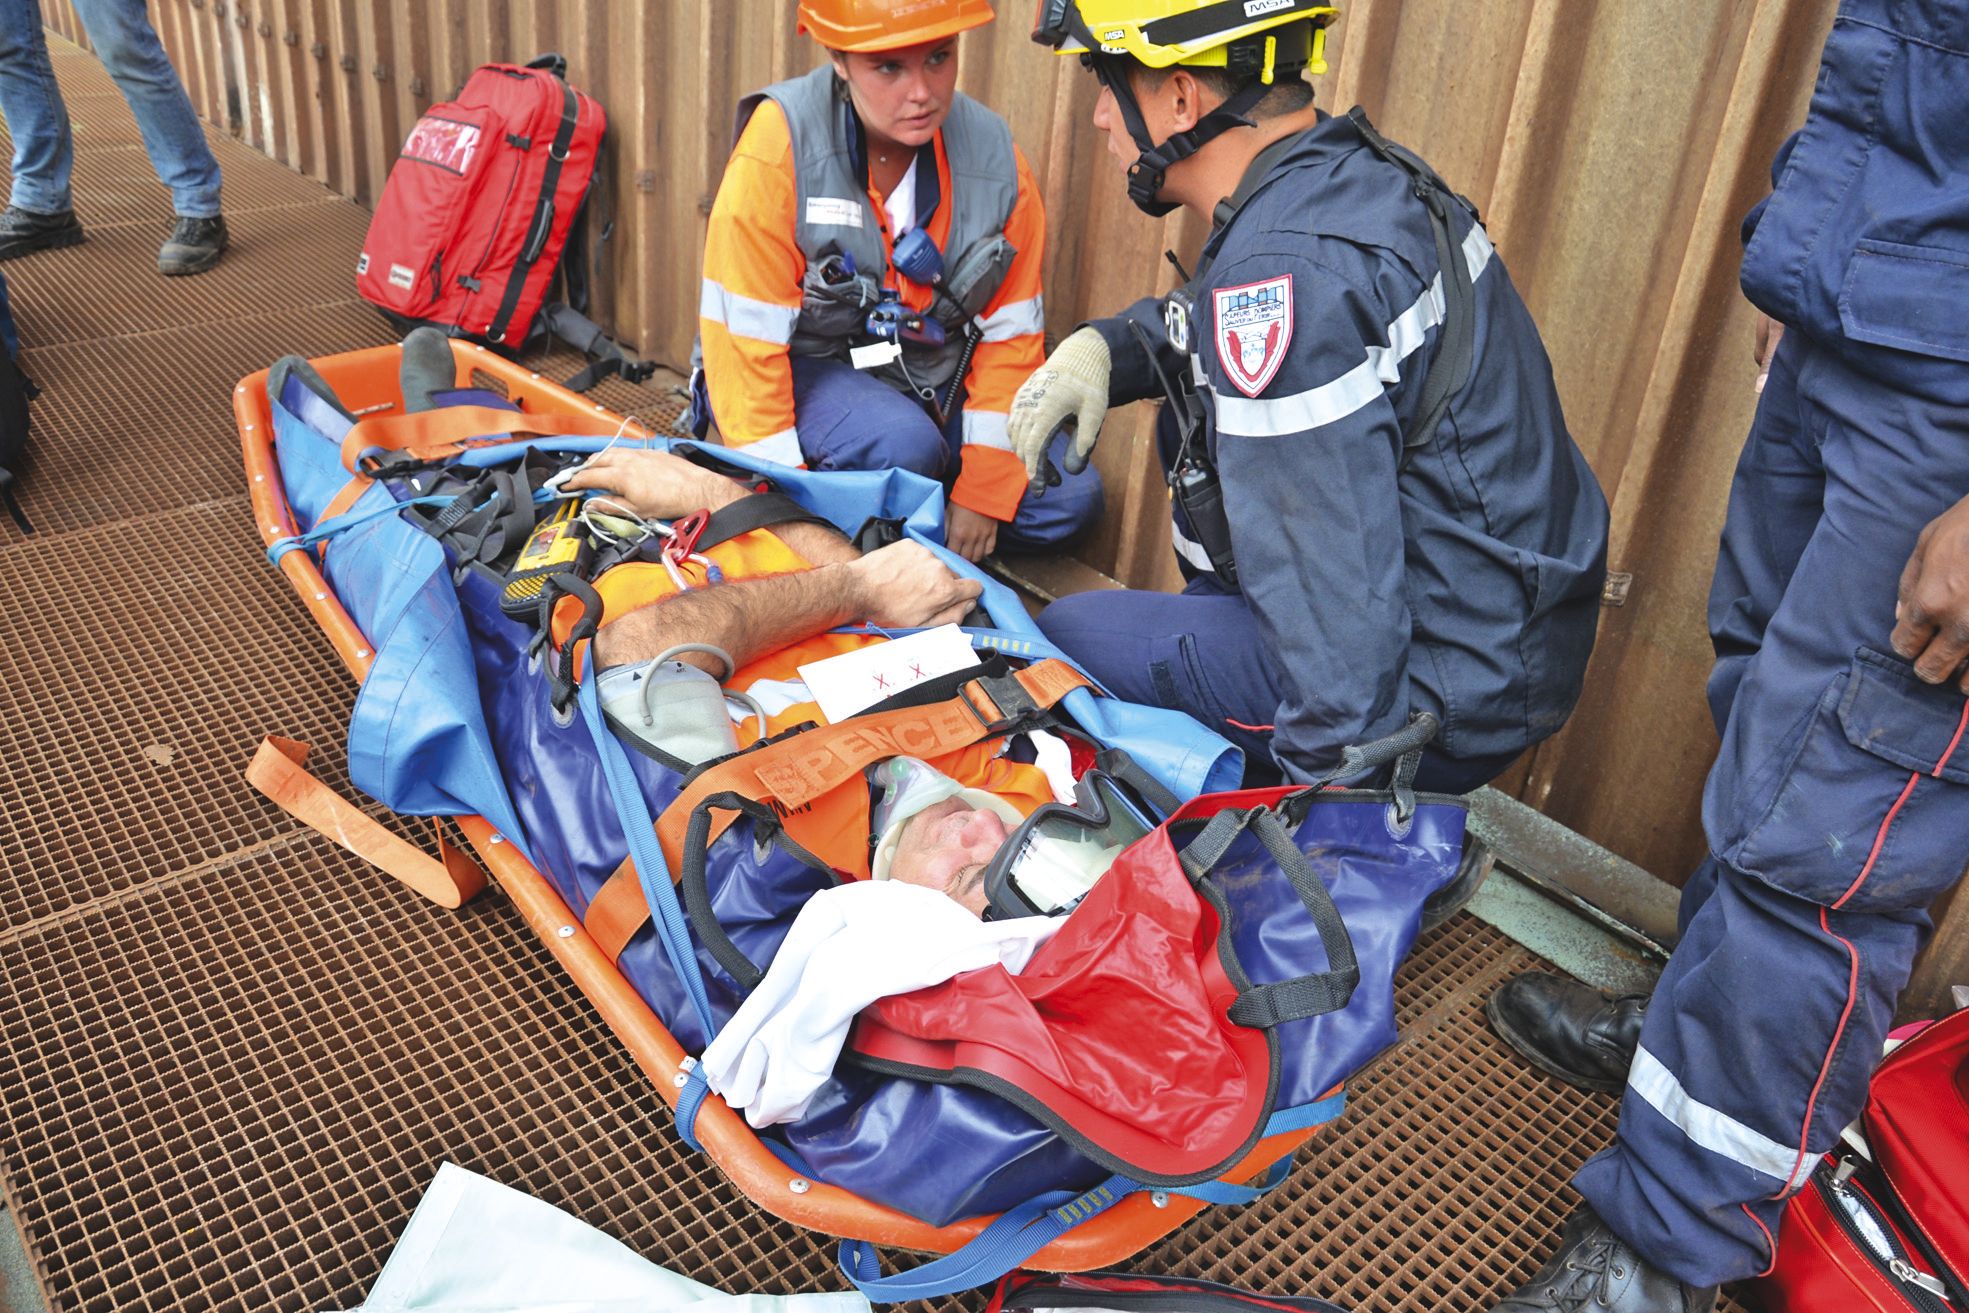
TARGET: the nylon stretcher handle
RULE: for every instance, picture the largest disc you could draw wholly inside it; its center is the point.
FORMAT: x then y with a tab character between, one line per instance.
428	433
450	880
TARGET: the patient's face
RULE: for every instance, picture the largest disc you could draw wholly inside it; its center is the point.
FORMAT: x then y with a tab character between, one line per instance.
946	848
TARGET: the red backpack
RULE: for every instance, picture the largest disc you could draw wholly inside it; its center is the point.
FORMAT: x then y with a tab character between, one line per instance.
1889	1235
484	206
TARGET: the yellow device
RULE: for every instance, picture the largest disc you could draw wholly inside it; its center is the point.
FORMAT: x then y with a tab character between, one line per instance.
558	544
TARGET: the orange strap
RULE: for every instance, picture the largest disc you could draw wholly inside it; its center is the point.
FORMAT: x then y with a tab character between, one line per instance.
448	880
797	770
429	433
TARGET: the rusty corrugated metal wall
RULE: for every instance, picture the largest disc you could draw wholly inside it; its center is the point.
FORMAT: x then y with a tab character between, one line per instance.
1613	148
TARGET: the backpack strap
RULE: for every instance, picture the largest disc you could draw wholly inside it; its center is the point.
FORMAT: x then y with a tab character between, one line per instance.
797	769
563	322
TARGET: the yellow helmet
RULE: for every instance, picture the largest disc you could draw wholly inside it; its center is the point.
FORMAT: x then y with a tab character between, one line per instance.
1252	40
1200	33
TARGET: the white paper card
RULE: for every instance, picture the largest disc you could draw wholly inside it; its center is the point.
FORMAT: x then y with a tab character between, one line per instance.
854	681
874	355
835	210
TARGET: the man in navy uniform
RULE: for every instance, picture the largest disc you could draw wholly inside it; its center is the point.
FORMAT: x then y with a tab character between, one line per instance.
1377	506
1838	809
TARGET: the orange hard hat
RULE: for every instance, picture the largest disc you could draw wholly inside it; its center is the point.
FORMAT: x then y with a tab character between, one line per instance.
872	25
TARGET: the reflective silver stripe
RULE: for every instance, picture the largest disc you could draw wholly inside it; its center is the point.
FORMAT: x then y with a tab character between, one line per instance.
1019	319
782	447
1276	417
984	428
1190	551
1714	1130
743	316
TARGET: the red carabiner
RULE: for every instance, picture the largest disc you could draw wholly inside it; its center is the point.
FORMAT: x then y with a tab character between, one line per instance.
684	534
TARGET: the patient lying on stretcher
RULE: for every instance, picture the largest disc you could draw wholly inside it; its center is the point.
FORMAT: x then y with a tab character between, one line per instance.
968	856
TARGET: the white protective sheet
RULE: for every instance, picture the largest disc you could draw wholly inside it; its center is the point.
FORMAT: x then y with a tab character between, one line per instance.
848	947
475	1246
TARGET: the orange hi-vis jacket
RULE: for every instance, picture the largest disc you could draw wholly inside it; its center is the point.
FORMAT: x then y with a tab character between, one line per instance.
834	826
752	299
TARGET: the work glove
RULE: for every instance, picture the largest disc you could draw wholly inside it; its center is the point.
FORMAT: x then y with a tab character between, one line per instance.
1071	385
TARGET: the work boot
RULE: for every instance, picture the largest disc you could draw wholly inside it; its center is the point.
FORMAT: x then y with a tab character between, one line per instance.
193	246
1570	1030
1595	1271
24	231
426	368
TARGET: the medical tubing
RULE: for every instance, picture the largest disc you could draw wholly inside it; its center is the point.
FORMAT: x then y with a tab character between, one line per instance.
652	872
670	654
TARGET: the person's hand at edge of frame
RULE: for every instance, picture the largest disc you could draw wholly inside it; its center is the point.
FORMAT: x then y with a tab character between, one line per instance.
904	586
1932	614
971	534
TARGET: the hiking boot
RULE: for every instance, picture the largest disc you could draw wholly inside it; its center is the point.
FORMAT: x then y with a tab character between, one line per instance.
1570	1030
25	231
193	246
1595	1271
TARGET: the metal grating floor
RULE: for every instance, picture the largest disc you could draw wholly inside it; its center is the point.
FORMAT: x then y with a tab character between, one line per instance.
231	1056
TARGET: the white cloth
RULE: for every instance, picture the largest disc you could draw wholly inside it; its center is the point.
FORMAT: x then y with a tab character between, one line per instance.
848	947
475	1246
901	204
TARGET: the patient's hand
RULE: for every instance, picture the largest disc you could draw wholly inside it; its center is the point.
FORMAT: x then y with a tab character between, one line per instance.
904	586
654	484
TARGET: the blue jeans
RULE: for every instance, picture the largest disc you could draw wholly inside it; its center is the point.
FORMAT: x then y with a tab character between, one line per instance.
31	103
851	421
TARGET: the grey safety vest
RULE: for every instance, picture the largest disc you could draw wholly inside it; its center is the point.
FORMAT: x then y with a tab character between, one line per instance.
833	216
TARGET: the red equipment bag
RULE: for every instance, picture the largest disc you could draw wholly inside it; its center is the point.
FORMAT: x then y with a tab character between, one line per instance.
484	206
1891	1234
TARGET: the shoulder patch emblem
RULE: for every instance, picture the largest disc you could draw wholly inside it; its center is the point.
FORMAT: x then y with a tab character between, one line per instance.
1253	327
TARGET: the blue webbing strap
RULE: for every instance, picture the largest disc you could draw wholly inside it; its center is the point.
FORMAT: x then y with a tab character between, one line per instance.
695	1090
652	872
1224	1192
1007	1243
346	521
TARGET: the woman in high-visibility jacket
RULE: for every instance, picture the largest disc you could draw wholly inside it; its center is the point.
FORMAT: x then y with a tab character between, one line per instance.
871	294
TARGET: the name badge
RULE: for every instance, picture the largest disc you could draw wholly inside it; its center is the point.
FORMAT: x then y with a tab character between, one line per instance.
834	210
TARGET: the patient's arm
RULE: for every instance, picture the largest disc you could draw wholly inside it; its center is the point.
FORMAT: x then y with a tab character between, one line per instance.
901	586
659	486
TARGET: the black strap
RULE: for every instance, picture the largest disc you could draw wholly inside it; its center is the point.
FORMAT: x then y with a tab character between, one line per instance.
560	670
1132	773
761	510
606	356
1456	348
1402	749
543	210
1317	992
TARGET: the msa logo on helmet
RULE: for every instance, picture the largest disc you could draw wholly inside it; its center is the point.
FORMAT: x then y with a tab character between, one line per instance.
1259	8
1115	34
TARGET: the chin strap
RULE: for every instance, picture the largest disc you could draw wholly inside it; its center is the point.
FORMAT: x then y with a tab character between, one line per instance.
1151	167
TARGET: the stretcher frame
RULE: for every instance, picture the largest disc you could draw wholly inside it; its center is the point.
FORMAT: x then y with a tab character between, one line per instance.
367	382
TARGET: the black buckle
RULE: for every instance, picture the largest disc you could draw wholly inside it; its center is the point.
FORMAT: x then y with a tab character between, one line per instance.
1008	697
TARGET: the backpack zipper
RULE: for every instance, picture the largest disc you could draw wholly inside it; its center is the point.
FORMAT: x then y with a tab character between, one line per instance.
1888	1199
512	181
1864	1222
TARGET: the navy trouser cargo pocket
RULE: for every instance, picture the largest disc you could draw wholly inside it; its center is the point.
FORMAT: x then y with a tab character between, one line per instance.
1872	813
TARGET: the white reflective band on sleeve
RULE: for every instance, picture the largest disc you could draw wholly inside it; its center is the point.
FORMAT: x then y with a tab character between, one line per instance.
1019	319
782	447
743	316
1714	1130
1189	551
984	428
1276	417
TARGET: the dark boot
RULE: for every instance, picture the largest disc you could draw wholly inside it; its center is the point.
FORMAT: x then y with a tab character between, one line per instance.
1595	1271
193	246
427	367
1570	1030
24	231
1453	897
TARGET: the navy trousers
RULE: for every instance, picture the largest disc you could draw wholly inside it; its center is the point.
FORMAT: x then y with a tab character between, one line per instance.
850	421
1836	813
1202	651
